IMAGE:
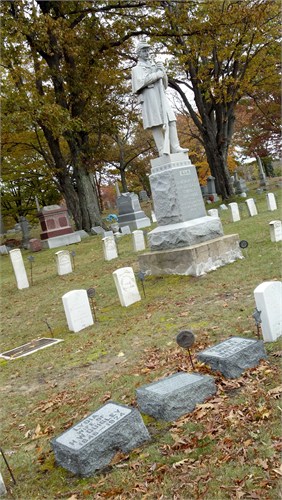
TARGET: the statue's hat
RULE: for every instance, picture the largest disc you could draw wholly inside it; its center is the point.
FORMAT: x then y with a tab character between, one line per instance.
142	45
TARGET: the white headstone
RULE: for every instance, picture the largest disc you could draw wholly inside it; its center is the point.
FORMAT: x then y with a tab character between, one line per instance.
126	286
77	310
275	230
251	207
243	195
63	260
213	212
19	269
109	248
138	240
3	490
223	207
235	214
153	217
268	298
271	202
125	230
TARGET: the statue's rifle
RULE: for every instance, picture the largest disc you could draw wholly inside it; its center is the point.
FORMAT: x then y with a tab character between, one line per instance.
161	89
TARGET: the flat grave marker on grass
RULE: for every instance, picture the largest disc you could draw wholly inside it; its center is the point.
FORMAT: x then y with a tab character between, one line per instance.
19	269
77	310
91	444
233	356
268	298
175	395
29	348
126	286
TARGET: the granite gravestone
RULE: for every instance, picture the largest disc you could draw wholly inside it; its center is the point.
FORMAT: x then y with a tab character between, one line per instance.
97	230
233	356
19	269
211	188
35	245
92	443
130	212
268	298
25	232
77	310
56	228
126	286
275	230
174	396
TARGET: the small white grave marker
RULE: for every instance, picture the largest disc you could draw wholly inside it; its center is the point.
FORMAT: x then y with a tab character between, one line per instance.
235	214
251	207
213	212
223	207
153	217
125	230
126	286
77	310
271	202
109	248
63	260
268	298
138	240
275	230
19	269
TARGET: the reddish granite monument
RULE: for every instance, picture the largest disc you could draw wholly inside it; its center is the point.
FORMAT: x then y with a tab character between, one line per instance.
54	221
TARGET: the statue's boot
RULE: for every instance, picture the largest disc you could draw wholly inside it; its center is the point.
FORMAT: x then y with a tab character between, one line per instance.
174	141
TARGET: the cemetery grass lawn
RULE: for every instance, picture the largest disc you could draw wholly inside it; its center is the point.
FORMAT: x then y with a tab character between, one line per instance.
228	448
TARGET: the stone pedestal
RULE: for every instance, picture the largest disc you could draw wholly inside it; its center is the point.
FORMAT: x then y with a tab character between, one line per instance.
130	213
186	241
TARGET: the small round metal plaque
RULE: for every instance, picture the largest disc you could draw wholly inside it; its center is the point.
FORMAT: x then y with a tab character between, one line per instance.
185	339
31	258
91	292
243	244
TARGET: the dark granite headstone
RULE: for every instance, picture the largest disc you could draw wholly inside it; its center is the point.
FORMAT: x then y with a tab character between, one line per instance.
233	356
92	443
25	232
130	213
174	396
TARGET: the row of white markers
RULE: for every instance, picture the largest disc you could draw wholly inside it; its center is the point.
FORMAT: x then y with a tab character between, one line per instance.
275	225
64	261
268	298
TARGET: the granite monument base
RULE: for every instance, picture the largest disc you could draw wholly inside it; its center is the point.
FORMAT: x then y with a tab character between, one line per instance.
185	234
92	443
194	260
233	356
174	396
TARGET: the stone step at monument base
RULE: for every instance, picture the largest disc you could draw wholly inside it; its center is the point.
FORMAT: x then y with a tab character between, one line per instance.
184	234
60	241
134	223
194	260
